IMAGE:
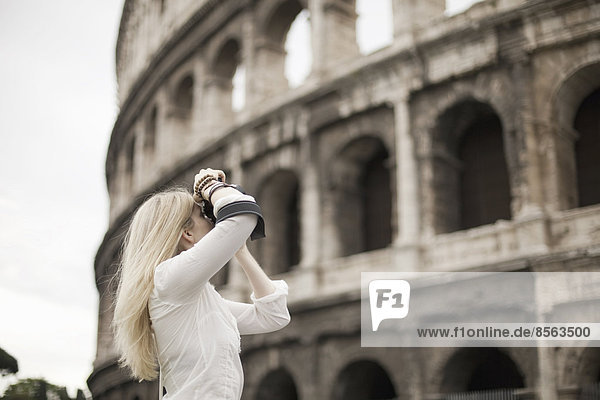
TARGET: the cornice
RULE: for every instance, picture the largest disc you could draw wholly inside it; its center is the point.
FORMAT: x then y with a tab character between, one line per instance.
127	10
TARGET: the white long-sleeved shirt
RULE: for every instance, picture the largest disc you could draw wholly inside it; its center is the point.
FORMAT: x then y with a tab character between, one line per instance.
197	331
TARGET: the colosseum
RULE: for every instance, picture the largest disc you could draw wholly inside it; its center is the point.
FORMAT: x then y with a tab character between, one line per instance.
470	142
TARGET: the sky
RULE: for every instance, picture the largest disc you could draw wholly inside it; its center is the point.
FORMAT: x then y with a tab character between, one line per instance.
58	104
57	107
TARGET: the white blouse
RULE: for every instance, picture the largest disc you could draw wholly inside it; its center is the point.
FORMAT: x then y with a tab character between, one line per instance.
197	331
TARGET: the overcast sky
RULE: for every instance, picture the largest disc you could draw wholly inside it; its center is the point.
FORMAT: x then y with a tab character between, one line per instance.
57	108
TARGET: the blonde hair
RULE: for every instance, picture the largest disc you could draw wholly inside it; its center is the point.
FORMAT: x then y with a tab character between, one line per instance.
152	237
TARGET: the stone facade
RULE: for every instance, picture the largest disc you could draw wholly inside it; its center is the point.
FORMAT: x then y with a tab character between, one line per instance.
524	75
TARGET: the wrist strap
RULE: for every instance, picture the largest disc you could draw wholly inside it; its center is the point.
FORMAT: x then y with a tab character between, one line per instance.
213	189
244	207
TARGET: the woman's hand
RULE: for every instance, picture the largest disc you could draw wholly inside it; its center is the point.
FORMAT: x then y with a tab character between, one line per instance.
217	174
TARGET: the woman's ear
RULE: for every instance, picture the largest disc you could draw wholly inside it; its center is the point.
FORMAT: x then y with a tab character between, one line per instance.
187	236
186	241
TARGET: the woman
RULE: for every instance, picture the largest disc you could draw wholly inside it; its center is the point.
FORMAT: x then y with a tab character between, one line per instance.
167	311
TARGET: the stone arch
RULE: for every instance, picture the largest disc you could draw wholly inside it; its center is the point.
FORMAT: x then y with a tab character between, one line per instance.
360	184
218	85
226	58
471	184
572	112
277	384
279	196
279	19
275	20
471	369
363	379
580	82
588	366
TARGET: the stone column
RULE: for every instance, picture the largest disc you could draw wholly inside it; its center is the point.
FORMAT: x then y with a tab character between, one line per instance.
310	199
558	165
528	197
525	148
248	59
407	189
547	379
216	105
333	33
410	15
408	205
311	217
267	76
330	244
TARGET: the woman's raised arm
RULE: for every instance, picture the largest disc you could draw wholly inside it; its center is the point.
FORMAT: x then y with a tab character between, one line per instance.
180	277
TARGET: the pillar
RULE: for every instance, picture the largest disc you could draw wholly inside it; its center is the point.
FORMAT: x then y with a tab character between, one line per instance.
410	15
407	243
333	33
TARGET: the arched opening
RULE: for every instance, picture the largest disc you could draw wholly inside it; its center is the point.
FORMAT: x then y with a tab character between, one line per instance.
586	368
279	199
225	67
587	150
470	175
374	25
377	202
226	73
271	49
363	380
129	163
454	7
477	369
575	129
362	195
238	92
150	137
227	60
484	186
277	385
298	59
184	96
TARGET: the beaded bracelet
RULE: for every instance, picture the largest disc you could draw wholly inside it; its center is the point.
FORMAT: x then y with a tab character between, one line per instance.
204	181
202	184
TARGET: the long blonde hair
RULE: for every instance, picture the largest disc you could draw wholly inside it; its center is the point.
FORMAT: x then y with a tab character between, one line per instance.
152	237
